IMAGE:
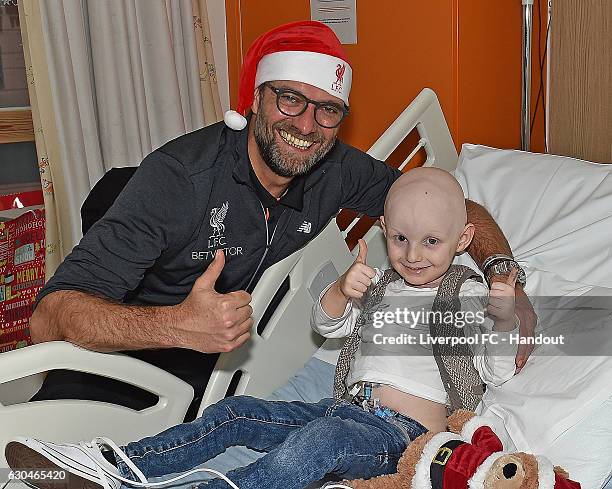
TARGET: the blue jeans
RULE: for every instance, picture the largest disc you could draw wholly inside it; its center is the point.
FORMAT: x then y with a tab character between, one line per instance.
311	384
303	442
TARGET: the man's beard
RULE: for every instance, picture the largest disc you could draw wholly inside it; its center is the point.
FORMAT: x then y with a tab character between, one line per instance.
287	163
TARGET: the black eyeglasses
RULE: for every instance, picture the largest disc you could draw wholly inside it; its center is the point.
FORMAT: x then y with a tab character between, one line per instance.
292	103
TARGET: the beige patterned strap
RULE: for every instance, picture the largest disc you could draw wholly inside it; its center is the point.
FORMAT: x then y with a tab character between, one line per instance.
460	378
371	299
455	362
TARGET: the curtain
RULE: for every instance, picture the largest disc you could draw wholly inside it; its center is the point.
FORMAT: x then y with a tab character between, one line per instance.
206	63
42	116
110	81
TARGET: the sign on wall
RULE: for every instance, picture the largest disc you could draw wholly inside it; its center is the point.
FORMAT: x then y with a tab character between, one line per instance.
339	15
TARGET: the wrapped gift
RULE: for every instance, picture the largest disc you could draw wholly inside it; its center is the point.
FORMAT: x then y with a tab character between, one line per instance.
18	200
22	275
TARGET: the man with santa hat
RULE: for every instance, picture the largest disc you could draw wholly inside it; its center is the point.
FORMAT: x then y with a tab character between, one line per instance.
173	262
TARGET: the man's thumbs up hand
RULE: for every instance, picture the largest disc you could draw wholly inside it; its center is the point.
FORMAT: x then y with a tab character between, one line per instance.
211	274
358	277
213	322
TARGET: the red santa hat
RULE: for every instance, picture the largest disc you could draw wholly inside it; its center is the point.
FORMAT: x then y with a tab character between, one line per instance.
305	51
549	479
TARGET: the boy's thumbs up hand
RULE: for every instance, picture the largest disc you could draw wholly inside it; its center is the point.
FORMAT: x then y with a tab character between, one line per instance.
363	252
502	298
358	277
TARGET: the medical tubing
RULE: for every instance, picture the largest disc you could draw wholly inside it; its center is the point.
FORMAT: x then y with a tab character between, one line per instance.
179	477
175	479
149	484
132	483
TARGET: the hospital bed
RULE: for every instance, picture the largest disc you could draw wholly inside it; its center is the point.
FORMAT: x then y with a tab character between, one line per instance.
282	340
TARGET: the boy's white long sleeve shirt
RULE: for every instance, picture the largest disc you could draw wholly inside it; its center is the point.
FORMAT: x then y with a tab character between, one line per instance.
411	368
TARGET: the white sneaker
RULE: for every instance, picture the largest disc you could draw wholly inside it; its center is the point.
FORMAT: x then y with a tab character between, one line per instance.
48	465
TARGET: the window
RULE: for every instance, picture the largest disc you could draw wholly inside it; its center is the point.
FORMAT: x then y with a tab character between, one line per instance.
1	71
18	161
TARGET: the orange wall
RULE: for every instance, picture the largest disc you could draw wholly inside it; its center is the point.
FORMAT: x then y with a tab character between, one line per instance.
469	52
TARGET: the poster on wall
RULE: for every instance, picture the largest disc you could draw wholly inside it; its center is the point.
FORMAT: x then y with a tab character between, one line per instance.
339	15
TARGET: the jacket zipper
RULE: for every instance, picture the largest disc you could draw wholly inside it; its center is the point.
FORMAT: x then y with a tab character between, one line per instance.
268	243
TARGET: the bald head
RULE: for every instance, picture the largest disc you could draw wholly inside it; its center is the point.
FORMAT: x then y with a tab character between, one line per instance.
425	225
429	194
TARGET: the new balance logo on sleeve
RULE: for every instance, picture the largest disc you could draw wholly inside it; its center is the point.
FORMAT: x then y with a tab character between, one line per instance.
305	227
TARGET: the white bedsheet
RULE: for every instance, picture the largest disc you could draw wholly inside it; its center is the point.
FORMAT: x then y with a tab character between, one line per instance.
557	214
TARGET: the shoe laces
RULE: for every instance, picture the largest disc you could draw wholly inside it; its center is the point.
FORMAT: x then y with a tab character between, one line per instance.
106	474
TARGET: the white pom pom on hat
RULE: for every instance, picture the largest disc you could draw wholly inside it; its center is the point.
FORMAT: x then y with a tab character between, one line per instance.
305	51
234	120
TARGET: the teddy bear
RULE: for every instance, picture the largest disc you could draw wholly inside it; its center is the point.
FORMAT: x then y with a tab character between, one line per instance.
469	456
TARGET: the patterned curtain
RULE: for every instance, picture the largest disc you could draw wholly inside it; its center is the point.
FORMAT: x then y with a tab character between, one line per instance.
110	81
206	62
46	141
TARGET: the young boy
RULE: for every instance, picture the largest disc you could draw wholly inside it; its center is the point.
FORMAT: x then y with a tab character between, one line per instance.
425	226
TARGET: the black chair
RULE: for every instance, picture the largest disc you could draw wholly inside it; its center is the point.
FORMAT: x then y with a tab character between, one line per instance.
66	384
103	195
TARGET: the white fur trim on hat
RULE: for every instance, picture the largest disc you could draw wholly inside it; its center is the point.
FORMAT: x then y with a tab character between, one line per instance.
546	473
478	479
495	423
421	478
234	120
334	75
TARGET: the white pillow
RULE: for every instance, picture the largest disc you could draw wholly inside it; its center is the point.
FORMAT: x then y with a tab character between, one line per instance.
555	211
566	387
